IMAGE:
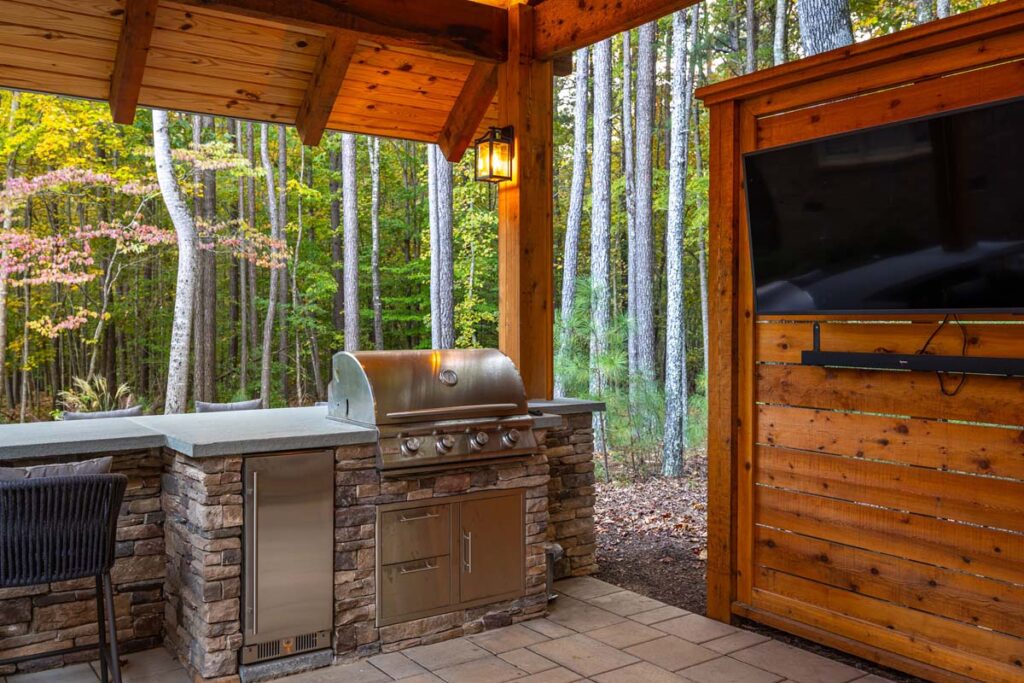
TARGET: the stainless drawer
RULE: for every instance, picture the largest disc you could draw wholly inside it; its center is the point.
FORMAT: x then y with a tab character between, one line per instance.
413	587
415	533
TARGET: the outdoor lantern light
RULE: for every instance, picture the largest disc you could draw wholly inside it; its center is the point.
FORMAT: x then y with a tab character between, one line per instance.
494	155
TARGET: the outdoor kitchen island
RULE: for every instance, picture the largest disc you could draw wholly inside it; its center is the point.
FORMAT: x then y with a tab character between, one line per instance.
180	574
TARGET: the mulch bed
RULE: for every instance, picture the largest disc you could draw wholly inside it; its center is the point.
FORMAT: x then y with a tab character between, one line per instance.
652	539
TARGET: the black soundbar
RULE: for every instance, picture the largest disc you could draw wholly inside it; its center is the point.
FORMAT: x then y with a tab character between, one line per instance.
922	362
972	365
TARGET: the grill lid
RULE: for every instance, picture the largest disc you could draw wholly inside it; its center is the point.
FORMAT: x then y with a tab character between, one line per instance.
399	387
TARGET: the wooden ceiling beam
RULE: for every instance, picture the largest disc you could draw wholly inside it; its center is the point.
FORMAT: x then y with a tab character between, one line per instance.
469	110
325	86
563	26
130	60
457	27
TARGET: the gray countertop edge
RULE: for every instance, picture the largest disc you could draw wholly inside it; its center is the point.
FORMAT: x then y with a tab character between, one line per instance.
568	406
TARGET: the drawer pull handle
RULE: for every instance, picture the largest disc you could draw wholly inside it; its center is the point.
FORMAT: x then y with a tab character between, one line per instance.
429	515
425	568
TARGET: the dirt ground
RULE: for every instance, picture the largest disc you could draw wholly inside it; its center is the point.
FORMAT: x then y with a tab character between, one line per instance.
652	539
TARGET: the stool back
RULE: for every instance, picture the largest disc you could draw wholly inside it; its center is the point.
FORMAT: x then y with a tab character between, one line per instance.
58	528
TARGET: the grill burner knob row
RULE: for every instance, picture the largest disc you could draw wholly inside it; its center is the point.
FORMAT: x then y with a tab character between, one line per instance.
511	438
445	443
479	440
411	445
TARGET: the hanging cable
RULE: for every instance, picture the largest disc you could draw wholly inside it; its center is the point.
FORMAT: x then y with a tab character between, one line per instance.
963	352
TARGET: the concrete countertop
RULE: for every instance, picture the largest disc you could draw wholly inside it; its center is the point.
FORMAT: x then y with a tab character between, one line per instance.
213	434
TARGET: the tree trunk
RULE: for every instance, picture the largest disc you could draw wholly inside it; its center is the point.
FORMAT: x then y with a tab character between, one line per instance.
250	195
702	229
574	219
282	304
779	44
642	262
15	100
676	384
600	226
266	358
337	253
208	302
378	310
942	8
442	280
351	208
176	397
751	61
925	11
824	25
628	172
243	283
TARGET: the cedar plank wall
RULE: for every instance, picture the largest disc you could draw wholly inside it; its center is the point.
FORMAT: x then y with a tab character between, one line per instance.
865	509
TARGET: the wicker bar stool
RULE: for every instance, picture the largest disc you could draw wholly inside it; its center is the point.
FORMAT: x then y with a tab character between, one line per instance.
59	529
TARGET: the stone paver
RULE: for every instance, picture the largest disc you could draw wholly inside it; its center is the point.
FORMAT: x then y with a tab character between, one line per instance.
672	653
735	641
580	616
357	672
490	669
397	665
585	587
796	664
76	673
695	628
528	661
625	603
728	670
445	654
624	634
548	628
556	675
583	654
506	639
420	678
641	672
661	614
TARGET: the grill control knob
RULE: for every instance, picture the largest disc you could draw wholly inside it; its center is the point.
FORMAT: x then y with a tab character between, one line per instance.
411	445
479	440
445	443
511	438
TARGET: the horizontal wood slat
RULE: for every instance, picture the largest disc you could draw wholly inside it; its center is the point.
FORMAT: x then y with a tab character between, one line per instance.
783	342
828	618
914	489
1005	652
944	592
986	552
993	400
976	449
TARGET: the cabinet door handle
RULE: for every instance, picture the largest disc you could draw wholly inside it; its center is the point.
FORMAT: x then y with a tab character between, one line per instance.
467	559
255	551
425	568
419	518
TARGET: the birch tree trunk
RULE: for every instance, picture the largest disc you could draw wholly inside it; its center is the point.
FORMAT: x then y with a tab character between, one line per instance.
176	397
925	11
337	253
751	56
15	100
628	172
570	256
643	253
600	226
442	280
676	384
351	208
779	44
942	8
378	309
266	357
824	25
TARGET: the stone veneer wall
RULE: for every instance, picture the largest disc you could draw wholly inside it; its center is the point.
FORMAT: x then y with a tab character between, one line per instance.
570	451
360	488
37	619
203	501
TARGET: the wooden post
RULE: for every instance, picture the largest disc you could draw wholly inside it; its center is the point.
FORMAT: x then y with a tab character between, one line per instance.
525	206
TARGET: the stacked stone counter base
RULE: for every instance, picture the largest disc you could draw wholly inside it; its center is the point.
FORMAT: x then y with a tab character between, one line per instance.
40	619
570	451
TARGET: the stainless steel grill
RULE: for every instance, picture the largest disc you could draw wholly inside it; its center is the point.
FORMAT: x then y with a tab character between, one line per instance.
434	408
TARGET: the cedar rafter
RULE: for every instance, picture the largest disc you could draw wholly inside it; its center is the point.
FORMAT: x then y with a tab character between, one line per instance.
469	110
462	28
563	26
130	61
325	86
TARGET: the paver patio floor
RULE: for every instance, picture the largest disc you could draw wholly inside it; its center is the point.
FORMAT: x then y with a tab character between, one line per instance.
595	632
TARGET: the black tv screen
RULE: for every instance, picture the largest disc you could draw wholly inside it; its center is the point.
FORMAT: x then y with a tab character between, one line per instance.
921	216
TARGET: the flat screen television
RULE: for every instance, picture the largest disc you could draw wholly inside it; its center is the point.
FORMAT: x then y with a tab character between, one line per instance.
919	216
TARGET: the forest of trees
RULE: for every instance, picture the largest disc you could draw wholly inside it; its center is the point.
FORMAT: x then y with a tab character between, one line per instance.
200	258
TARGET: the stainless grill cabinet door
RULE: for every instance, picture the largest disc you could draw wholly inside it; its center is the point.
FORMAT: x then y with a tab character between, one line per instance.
289	545
493	547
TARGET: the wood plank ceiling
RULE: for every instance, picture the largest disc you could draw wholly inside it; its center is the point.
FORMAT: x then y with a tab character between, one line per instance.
214	62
